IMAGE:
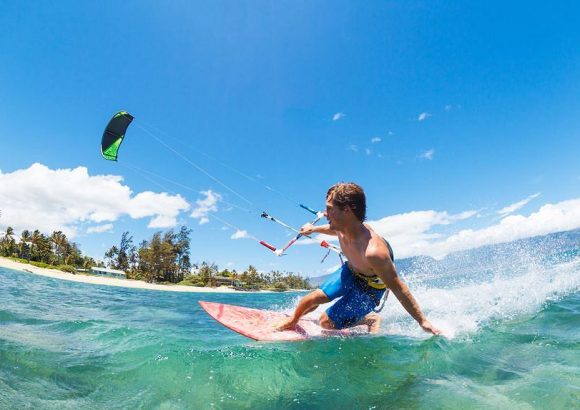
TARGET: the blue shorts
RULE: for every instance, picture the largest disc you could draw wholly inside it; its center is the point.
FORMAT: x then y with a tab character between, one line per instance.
357	299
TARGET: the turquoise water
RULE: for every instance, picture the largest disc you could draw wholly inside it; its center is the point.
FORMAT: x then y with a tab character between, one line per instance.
514	342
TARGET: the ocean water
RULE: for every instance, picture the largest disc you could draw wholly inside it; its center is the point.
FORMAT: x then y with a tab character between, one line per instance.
513	342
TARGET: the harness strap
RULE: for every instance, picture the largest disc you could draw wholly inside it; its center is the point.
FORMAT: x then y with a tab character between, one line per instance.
385	296
372	281
375	282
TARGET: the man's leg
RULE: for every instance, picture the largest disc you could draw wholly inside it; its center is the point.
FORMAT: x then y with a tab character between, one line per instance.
329	290
354	308
372	320
325	322
307	304
311	309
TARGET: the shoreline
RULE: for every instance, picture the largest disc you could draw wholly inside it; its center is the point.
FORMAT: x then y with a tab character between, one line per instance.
124	283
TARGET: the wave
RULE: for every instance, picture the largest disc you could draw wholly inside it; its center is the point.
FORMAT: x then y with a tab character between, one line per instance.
469	290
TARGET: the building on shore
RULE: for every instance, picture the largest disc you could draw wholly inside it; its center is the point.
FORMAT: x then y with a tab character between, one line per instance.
113	273
227	281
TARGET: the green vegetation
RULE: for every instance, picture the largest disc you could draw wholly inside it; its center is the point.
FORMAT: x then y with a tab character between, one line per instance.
165	258
205	274
54	251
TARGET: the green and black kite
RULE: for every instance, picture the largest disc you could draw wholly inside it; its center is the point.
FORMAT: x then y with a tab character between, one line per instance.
114	134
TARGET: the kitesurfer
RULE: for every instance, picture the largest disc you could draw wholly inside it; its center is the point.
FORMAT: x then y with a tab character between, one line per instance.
363	279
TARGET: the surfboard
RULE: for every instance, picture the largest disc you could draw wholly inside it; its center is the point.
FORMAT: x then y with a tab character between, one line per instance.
260	325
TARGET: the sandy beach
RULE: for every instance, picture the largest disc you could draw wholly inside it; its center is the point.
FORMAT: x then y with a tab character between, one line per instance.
107	281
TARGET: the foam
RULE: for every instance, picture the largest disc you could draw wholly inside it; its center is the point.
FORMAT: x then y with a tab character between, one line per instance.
463	309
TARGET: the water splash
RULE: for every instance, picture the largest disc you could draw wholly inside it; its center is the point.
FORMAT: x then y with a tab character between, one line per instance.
469	290
477	298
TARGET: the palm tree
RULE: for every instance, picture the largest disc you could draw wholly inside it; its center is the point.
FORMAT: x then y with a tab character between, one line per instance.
7	242
88	262
9	234
35	243
111	255
23	247
59	242
42	249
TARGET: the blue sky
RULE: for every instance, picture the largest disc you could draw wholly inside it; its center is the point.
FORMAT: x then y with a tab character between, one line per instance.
446	113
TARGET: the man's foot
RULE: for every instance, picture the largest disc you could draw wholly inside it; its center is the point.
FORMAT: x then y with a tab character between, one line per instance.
373	321
286	324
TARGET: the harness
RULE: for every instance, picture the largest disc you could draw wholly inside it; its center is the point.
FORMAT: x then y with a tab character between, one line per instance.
371	281
374	282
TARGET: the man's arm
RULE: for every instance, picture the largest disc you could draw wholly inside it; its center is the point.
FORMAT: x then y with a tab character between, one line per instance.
385	269
309	229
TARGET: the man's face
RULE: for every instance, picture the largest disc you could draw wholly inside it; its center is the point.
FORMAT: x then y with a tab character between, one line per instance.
335	215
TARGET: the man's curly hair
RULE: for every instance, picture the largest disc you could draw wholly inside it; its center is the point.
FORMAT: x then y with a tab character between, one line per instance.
349	194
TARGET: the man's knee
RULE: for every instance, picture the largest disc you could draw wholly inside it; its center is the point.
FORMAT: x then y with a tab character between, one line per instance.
325	322
318	296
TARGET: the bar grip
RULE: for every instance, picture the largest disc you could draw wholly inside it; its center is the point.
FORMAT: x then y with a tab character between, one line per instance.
267	245
308	209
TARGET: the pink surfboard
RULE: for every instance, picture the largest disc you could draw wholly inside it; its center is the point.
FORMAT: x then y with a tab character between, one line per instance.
260	324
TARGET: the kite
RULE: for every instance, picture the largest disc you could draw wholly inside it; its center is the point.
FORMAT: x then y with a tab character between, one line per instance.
114	134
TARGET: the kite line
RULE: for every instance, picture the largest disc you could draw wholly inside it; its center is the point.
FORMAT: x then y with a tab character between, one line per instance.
111	142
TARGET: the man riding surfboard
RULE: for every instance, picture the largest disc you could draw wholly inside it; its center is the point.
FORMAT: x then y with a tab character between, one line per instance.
361	281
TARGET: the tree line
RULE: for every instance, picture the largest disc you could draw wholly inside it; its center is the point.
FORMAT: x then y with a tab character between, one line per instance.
164	258
45	250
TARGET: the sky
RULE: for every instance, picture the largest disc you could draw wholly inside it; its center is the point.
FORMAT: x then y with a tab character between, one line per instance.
461	120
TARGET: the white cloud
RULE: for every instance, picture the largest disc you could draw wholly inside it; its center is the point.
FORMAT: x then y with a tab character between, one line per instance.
338	116
206	205
353	148
161	206
100	228
61	199
428	154
368	151
515	206
376	140
239	234
423	116
411	233
390	133
409	230
562	216
332	269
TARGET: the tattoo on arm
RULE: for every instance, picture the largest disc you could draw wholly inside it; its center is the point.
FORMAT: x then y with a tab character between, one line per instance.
408	301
